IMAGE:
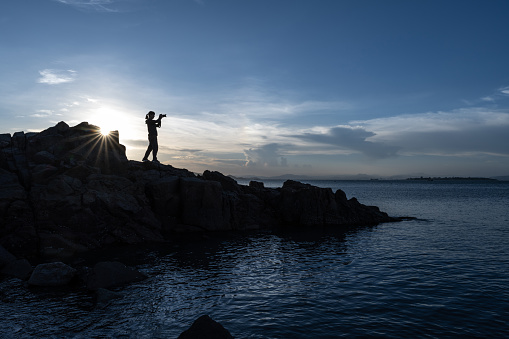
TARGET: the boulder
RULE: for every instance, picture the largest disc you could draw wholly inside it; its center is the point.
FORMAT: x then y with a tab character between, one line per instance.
205	327
52	274
111	274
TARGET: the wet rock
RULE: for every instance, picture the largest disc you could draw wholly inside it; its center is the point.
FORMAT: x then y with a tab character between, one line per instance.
52	274
112	273
205	327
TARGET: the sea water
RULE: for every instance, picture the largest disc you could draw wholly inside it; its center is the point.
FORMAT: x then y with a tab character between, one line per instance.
443	274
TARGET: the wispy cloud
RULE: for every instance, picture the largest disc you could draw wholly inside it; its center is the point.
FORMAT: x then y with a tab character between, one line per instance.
93	5
43	113
458	133
56	77
351	138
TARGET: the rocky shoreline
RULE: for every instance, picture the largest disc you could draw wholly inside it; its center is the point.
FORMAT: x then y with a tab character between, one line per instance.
68	190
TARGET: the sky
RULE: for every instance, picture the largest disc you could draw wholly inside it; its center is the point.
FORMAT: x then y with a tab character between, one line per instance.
323	88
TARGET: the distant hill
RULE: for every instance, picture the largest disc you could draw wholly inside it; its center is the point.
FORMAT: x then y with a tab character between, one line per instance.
502	178
452	178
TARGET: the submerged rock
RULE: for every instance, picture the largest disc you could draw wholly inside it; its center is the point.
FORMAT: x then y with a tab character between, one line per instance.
205	327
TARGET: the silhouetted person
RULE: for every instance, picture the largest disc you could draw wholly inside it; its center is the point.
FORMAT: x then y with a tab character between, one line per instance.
152	135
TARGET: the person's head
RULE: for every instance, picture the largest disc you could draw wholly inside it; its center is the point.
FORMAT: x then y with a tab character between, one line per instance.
150	115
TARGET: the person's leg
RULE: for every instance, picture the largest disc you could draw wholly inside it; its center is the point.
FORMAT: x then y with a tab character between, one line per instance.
149	149
155	147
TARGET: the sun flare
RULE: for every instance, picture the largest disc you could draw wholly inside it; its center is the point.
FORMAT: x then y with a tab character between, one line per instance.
104	132
109	120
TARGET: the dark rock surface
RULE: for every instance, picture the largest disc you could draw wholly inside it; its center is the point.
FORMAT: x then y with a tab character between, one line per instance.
205	327
52	274
112	274
67	190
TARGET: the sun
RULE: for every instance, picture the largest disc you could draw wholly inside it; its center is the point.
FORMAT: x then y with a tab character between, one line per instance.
104	132
109	119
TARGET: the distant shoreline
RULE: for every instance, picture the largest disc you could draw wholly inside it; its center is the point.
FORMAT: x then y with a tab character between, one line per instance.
367	179
453	178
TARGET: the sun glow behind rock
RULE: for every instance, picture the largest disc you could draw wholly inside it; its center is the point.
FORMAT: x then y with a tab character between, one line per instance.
109	119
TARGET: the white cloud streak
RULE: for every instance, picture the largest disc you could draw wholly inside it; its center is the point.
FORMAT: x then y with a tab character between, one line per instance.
94	5
56	77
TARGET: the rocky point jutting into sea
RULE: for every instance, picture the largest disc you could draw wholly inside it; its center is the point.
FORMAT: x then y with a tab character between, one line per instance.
67	190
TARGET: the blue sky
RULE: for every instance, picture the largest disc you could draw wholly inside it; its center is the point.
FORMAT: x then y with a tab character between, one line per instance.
270	87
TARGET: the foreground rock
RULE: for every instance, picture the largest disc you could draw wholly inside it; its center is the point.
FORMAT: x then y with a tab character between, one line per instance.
205	327
52	274
67	190
112	274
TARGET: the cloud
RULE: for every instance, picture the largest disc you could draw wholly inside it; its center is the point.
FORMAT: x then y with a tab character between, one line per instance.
56	77
265	156
94	5
351	138
462	132
505	90
43	113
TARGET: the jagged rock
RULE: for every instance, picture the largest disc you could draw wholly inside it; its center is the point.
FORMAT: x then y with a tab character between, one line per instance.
44	157
205	327
82	171
41	174
52	274
307	205
256	184
111	273
5	140
202	204
66	190
228	184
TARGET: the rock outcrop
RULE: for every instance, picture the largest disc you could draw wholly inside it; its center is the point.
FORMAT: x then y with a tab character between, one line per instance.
52	274
67	190
205	327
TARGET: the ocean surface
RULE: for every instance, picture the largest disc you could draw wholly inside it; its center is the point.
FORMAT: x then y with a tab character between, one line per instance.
442	275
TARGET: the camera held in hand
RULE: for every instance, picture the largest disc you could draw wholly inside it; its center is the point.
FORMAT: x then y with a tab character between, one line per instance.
162	115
